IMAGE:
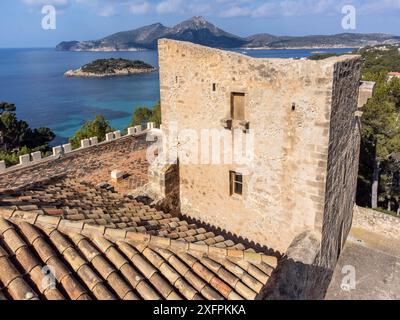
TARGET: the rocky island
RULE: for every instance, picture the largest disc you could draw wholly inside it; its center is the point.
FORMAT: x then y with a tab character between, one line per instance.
111	68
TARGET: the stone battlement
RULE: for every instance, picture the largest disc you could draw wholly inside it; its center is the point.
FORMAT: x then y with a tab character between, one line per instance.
114	152
36	157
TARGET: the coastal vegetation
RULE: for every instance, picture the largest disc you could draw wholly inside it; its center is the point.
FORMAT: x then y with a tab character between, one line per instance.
105	66
379	172
99	127
321	56
143	115
379	175
17	138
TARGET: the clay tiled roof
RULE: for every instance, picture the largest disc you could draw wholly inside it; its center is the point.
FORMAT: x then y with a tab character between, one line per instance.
93	164
96	262
77	201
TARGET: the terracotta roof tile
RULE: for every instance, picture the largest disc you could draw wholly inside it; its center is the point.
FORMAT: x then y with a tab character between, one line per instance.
186	289
245	291
8	272
12	280
169	273
83	204
211	294
163	287
147	292
20	290
114	247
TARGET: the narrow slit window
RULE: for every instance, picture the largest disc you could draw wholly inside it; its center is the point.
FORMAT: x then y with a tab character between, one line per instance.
238	106
345	169
214	87
236	183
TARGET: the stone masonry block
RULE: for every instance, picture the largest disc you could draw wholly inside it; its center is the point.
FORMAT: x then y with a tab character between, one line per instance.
67	147
2	166
94	141
36	156
138	129
57	150
117	134
109	136
151	125
25	159
131	131
117	175
366	92
85	143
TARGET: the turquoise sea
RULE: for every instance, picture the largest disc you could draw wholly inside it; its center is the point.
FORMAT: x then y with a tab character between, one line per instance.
33	80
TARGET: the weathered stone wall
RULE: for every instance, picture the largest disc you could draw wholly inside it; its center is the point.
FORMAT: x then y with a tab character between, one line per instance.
343	159
285	185
298	275
163	187
377	222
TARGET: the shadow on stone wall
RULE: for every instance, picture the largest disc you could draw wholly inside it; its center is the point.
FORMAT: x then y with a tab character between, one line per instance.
235	238
298	275
294	280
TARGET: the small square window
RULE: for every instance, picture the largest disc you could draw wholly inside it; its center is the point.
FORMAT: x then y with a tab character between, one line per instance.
236	183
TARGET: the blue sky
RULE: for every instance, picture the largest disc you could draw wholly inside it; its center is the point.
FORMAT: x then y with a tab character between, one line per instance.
20	24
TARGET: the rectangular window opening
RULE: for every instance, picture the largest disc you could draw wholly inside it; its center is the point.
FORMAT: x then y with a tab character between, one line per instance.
238	106
236	183
340	240
214	87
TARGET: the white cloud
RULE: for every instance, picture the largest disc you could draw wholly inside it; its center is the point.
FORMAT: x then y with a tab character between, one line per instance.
236	11
107	11
226	8
200	8
169	6
140	8
61	3
379	6
265	10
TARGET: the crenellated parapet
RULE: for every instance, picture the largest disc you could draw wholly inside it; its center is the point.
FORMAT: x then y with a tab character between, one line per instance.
59	151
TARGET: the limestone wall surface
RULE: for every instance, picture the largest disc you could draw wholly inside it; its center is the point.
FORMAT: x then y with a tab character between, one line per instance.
377	222
288	107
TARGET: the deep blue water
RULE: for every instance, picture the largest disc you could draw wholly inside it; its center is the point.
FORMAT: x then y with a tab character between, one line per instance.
33	80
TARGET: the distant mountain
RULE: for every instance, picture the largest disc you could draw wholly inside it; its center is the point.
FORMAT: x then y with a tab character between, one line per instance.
261	40
196	30
200	31
348	40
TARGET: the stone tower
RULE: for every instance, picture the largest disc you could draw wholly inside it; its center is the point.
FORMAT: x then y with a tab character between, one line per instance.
298	121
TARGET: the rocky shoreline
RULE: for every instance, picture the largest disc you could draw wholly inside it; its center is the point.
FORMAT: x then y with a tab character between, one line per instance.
101	68
117	73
